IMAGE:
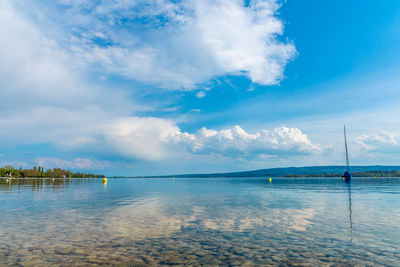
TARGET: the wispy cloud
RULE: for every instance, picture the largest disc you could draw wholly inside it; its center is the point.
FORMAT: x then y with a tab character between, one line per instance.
201	94
383	142
44	99
173	44
15	164
78	163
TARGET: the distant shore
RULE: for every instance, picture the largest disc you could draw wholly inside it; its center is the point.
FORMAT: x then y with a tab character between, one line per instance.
309	171
355	174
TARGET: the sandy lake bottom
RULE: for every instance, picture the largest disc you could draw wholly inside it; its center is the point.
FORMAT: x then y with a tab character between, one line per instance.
200	221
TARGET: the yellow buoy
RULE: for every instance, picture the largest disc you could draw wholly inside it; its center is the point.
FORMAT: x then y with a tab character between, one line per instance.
270	179
104	180
377	177
342	178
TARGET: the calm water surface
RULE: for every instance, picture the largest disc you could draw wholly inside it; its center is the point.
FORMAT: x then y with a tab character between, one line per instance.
227	221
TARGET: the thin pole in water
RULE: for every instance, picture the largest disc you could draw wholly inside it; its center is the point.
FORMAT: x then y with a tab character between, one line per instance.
345	144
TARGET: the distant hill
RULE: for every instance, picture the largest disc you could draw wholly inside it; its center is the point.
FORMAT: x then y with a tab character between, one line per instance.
299	171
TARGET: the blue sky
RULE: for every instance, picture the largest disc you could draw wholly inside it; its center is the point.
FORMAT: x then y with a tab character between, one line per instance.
160	87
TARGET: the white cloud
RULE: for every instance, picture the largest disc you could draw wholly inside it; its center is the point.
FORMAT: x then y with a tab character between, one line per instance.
15	164
250	89
37	70
78	163
244	38
147	138
47	100
156	139
43	99
237	141
201	94
382	142
175	44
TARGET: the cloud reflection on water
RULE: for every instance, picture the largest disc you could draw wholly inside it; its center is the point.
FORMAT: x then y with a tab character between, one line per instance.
153	219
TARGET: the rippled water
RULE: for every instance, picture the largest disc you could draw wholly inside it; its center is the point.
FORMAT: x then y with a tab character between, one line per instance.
227	221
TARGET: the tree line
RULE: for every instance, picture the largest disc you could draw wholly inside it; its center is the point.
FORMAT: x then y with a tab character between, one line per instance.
39	171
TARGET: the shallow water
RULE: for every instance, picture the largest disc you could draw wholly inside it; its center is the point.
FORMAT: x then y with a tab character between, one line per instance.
200	221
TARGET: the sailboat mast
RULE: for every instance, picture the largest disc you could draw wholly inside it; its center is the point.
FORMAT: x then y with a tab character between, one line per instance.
345	144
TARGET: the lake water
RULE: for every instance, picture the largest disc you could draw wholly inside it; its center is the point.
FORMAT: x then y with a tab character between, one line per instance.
200	221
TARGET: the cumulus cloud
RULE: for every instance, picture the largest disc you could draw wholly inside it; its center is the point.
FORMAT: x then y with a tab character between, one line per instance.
147	138
155	139
237	141
78	163
174	44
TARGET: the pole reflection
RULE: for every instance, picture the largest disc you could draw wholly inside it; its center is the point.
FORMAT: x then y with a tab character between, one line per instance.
350	211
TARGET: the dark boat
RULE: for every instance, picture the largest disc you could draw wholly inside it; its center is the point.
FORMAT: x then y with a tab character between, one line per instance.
346	175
